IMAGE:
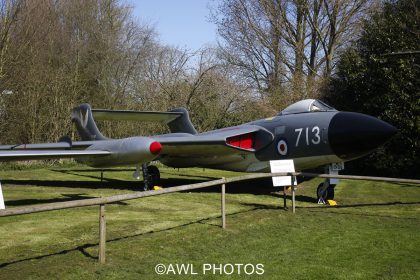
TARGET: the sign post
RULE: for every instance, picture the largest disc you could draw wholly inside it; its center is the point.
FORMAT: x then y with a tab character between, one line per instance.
293	180
287	165
1	199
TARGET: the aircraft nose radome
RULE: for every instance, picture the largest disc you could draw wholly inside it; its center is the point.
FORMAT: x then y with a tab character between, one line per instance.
352	135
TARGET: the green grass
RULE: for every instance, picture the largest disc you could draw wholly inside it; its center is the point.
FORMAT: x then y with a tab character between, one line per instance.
373	234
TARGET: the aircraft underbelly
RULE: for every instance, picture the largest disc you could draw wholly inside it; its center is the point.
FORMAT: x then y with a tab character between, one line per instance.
246	163
209	162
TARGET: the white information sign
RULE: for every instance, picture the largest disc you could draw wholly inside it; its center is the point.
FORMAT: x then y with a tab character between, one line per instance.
285	165
1	199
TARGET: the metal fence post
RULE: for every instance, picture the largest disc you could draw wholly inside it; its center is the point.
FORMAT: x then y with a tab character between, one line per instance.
102	233
223	205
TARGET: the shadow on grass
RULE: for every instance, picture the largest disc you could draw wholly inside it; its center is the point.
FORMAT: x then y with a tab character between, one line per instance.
106	183
396	203
261	186
320	207
408	185
111	183
67	197
94	170
324	207
360	205
190	176
257	186
83	248
98	171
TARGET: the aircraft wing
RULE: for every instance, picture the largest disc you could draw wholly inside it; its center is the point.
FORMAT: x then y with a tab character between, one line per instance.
12	155
39	146
237	140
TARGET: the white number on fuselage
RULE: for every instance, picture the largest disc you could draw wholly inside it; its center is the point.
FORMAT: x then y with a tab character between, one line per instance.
315	139
300	132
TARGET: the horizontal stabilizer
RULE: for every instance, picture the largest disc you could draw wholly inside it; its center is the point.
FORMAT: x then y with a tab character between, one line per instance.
178	119
128	115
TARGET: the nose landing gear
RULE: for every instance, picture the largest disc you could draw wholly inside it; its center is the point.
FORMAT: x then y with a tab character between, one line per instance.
325	191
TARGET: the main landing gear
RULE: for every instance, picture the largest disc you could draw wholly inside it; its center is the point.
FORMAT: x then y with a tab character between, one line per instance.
151	176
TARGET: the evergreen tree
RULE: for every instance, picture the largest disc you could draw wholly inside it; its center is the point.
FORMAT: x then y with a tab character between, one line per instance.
380	76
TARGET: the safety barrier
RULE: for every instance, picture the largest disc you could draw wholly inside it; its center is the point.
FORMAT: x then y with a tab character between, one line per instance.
102	201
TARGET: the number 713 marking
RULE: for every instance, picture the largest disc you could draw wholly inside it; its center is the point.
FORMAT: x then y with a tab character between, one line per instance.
315	138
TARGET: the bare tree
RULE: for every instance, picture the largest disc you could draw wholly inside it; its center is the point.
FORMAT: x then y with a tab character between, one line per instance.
62	53
9	10
286	47
198	81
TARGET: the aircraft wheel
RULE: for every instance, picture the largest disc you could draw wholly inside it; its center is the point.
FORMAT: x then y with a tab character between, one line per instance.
330	192
319	194
154	174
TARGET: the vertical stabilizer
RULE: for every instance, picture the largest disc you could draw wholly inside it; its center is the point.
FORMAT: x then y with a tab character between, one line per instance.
85	124
183	123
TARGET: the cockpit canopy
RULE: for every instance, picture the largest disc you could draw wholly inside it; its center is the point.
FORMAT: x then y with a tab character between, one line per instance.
307	106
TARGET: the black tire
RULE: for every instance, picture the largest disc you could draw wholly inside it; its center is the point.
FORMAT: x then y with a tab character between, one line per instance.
330	192
154	174
318	192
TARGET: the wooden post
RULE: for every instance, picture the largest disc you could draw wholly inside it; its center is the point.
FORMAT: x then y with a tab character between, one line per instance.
102	233
2	206
293	194
102	175
284	198
223	205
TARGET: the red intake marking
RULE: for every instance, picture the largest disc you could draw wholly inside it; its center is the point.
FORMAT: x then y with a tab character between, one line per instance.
245	141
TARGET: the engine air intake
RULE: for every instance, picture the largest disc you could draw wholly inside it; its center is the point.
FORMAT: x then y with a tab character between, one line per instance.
245	141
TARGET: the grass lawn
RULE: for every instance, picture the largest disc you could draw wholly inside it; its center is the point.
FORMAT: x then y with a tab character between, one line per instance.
374	233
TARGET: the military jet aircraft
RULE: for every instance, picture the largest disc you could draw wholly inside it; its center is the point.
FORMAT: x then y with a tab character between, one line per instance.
310	132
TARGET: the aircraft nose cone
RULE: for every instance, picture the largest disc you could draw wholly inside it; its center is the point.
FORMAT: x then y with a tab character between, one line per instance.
352	135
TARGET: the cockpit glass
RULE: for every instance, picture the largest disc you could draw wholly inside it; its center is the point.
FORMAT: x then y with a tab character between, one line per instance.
318	105
306	106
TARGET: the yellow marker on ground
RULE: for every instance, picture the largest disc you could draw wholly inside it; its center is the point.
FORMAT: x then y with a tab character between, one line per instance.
155	188
331	202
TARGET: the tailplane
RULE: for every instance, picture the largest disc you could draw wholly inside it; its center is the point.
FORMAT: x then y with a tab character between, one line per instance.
85	124
178	119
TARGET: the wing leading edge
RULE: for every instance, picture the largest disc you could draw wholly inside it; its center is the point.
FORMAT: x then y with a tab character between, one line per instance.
13	155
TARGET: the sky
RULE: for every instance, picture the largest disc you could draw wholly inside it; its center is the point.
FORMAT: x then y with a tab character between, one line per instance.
179	23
